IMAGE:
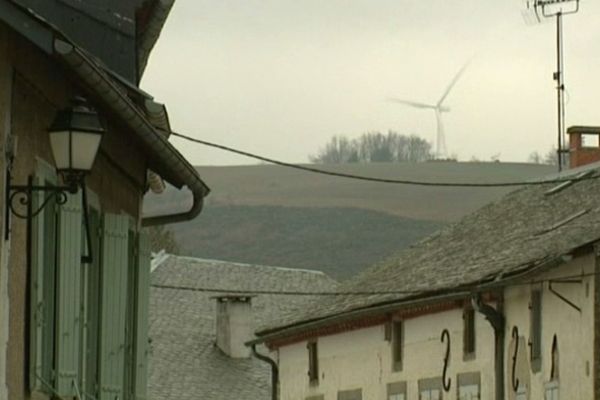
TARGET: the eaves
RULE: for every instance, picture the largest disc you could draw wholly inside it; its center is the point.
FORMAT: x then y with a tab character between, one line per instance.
164	159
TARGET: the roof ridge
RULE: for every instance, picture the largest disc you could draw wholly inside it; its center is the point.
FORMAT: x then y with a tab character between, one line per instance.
245	265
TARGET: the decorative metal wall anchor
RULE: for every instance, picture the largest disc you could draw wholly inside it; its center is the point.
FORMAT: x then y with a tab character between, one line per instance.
514	380
560	296
446	383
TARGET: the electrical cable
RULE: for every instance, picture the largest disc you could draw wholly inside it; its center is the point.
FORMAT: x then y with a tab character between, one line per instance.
354	293
382	180
340	174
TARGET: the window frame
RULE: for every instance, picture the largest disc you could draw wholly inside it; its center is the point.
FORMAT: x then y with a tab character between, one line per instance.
431	384
91	306
535	332
396	389
468	379
397	331
469	333
553	387
44	262
313	362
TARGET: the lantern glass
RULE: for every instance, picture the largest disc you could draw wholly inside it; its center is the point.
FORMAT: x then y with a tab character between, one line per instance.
60	145
84	146
75	138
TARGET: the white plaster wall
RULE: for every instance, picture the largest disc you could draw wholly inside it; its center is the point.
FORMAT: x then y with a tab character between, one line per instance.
363	359
574	330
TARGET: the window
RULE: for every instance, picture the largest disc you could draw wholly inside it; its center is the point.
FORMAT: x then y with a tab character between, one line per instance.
396	391
397	345
350	394
80	340
535	338
91	295
469	386
521	393
43	283
551	391
468	333
430	389
313	362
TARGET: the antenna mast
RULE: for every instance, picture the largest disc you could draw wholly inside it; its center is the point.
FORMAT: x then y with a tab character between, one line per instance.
551	9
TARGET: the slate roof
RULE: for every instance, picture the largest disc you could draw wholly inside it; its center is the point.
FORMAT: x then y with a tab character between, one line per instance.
184	362
527	228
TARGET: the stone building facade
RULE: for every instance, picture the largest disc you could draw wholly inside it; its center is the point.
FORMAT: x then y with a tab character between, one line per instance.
73	329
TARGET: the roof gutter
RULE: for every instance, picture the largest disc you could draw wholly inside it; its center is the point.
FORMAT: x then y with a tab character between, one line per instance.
449	295
379	309
171	164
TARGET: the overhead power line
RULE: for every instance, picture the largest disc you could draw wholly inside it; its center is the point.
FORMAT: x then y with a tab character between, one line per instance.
382	180
277	292
366	292
338	174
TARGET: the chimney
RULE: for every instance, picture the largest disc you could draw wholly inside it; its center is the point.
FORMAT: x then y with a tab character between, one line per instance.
234	324
584	145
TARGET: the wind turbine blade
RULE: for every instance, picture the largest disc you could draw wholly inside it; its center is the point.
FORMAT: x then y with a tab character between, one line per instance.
451	85
412	103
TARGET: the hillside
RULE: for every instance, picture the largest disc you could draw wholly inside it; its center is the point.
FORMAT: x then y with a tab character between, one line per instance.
279	186
277	216
339	241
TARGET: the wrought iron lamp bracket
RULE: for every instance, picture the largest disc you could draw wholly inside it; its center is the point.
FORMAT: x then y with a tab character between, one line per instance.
20	196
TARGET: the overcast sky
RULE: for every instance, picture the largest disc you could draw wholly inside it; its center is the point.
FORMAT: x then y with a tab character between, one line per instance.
280	77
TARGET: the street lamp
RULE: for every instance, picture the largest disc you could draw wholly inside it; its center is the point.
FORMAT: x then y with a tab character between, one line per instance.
75	138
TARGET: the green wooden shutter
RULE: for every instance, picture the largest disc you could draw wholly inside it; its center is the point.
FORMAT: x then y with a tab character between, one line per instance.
68	295
92	310
113	306
141	319
43	265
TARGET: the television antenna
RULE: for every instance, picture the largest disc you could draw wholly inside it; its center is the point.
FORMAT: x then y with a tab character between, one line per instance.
441	152
545	9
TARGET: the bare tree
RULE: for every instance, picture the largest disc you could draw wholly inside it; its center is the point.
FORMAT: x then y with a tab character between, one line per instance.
535	158
161	238
339	150
374	147
551	157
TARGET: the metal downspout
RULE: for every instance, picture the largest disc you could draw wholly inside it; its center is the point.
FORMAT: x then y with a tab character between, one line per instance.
198	196
274	372
176	166
495	317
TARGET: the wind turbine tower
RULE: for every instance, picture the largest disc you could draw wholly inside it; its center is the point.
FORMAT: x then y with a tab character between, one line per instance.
441	152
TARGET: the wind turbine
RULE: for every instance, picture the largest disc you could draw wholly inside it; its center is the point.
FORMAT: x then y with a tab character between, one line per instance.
438	108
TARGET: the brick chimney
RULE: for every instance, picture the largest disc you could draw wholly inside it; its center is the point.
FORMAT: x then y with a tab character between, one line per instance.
234	324
584	145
